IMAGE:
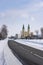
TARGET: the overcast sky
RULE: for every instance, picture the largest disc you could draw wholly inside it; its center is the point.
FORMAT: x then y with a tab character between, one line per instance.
15	13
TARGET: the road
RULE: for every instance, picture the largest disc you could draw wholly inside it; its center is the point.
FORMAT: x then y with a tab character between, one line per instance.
27	55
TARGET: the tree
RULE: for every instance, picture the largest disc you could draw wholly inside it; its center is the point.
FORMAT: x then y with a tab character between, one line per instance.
42	32
0	36
4	31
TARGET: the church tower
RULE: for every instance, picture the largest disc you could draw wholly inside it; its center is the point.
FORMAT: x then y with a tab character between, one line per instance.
28	30
23	30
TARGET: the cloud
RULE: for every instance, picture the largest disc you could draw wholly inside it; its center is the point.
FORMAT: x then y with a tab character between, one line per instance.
39	5
33	7
2	15
32	19
14	13
24	13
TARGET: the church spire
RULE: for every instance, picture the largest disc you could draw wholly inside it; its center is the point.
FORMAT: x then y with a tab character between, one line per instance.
28	29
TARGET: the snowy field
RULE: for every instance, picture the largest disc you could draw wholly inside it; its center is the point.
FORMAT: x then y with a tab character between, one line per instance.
6	56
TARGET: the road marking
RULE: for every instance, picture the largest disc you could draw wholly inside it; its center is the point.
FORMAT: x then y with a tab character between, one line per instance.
38	56
32	52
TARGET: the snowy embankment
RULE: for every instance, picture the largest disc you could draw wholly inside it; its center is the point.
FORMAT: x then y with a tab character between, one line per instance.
6	56
10	58
2	46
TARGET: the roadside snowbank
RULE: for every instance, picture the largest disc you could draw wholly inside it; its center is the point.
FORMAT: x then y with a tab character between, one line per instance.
2	45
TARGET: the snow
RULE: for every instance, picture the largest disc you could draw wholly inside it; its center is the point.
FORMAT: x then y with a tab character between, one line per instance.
10	58
2	45
38	44
6	56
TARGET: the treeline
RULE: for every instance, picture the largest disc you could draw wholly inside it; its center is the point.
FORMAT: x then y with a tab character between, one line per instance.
3	32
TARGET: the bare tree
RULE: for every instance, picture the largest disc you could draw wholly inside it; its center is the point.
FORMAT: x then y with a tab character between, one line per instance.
42	32
4	31
0	36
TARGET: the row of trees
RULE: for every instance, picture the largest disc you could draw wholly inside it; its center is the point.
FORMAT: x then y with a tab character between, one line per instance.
3	32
